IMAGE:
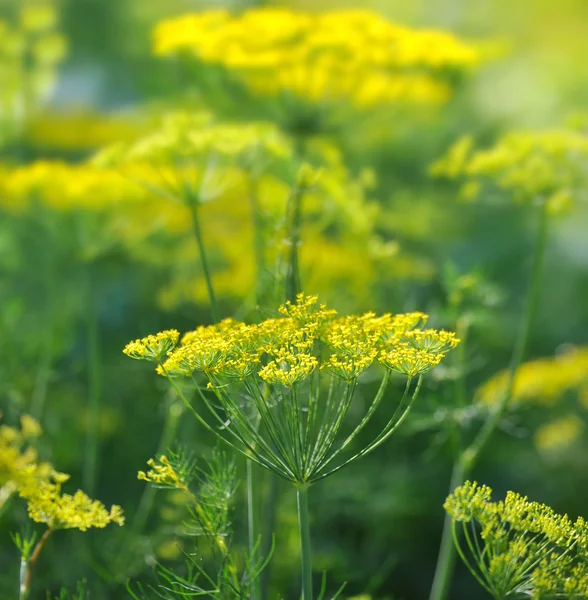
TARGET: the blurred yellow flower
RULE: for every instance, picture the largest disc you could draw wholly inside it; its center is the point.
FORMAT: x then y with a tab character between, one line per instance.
542	381
542	166
354	56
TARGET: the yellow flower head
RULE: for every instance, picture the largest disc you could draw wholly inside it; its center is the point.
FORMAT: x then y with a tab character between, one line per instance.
153	347
46	504
545	166
355	56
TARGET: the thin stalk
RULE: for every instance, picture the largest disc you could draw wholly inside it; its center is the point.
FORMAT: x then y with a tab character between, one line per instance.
292	284
94	393
39	395
469	457
305	554
258	241
446	557
26	566
193	206
170	426
471	454
269	512
252	522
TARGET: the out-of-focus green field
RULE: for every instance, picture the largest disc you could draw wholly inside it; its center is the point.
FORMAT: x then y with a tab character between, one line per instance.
95	253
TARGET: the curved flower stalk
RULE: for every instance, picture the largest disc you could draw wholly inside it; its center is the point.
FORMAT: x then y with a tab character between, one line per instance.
315	61
39	484
279	392
516	548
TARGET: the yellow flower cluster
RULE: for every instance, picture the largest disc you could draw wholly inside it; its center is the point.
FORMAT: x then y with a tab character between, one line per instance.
186	136
355	56
33	41
46	504
543	166
543	381
162	473
19	466
153	347
61	186
523	547
275	372
40	485
558	434
309	336
132	203
80	131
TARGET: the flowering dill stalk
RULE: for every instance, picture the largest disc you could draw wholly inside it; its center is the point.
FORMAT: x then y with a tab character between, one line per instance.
468	457
282	389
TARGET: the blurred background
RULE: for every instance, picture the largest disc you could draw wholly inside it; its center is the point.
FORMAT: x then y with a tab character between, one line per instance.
81	276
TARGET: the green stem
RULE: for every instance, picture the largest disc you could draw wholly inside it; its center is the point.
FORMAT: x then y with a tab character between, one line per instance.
170	426
294	216
193	205
469	457
258	241
39	395
252	523
270	509
446	557
94	393
26	566
305	555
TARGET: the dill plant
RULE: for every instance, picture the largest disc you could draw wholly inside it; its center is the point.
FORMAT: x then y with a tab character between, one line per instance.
545	172
209	493
311	70
279	392
516	548
22	474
